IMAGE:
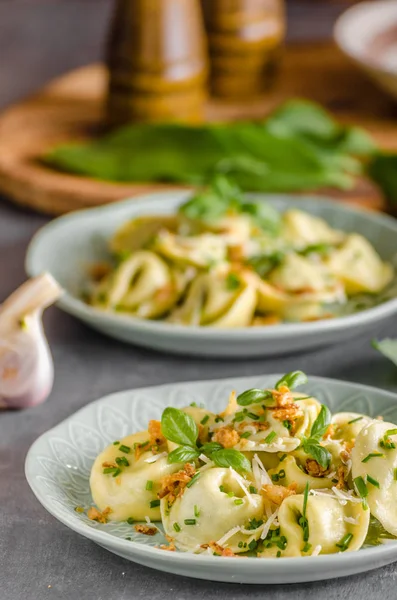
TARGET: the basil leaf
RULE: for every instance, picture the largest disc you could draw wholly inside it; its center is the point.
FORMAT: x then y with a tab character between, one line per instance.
292	380
183	454
319	453
231	458
211	447
387	347
263	264
321	424
179	427
253	396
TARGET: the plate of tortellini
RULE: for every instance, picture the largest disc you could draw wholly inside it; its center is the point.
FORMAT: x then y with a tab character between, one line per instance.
220	273
272	479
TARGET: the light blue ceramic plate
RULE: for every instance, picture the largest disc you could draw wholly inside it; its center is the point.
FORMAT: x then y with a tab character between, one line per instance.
59	462
67	246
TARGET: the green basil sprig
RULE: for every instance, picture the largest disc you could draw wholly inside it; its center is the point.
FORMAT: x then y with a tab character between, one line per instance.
311	445
180	428
292	380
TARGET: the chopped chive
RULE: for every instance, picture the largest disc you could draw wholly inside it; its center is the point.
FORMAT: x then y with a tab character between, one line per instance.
253	416
283	457
391	432
154	503
373	455
270	437
373	481
109	470
218	419
278	553
281	474
194	404
287	424
306	547
240	416
345	541
149	485
253	489
240	544
116	443
222	489
361	488
395	474
282	543
190	521
125	449
275	477
130	520
253	545
238	501
193	480
176	527
305	497
354	420
230	494
246	434
128	538
205	419
196	511
122	461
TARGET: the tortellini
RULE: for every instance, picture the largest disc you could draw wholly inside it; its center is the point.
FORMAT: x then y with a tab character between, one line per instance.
374	459
209	509
233	268
331	526
274	474
127	494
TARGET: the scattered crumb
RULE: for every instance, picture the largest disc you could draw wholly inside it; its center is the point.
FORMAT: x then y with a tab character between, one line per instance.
95	515
145	529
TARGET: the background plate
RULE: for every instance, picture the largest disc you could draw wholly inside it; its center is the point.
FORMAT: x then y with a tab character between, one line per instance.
67	246
58	466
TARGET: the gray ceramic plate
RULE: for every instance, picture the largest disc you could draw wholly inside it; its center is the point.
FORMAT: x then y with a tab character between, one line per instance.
59	462
67	246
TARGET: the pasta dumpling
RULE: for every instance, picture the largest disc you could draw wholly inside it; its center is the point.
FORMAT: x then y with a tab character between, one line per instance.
305	229
213	506
374	464
126	492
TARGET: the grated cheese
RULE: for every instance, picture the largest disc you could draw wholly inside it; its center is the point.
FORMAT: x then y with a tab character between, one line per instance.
316	550
261	476
228	535
156	457
148	522
204	458
352	520
268	524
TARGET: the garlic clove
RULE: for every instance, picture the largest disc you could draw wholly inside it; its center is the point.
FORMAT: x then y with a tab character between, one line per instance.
26	367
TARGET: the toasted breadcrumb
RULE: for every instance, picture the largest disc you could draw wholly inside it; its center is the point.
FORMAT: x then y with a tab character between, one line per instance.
278	493
314	469
170	548
227	437
266	320
217	549
173	485
341	473
108	464
155	434
145	529
99	270
95	515
344	456
349	445
330	431
286	409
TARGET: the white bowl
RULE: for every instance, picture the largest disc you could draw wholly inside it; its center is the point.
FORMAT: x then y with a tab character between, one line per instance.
58	468
67	246
367	33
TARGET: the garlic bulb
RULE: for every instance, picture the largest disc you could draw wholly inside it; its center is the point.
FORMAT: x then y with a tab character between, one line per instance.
26	367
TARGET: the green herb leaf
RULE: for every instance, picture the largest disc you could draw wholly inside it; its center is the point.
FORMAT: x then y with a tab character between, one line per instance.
179	427
228	457
383	170
233	282
319	453
387	347
292	380
183	454
253	396
211	447
264	263
321	424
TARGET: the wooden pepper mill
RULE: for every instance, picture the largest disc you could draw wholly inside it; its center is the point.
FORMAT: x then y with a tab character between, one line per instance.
245	37
157	61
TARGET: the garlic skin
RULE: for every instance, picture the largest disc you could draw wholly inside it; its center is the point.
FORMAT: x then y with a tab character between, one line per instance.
26	367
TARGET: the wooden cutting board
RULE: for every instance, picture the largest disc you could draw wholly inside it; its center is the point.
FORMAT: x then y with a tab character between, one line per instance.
70	108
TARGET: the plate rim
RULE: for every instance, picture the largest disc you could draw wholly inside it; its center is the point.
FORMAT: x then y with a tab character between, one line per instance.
107	540
78	308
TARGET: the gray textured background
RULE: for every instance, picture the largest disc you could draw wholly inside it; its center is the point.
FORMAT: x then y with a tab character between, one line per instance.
39	557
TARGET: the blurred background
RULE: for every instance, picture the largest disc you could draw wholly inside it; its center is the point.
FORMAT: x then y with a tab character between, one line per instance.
40	39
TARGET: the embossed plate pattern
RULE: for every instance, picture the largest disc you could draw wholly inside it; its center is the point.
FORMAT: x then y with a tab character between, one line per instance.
58	466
